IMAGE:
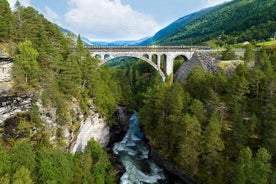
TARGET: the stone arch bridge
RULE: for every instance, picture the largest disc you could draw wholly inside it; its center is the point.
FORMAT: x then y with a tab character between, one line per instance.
146	53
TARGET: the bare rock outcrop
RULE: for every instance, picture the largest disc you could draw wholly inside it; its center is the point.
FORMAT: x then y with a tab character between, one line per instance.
207	60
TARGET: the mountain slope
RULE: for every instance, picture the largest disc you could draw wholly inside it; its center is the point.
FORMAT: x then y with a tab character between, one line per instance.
173	28
85	40
240	20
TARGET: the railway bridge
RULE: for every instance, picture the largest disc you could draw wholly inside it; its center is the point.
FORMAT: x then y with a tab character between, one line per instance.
146	53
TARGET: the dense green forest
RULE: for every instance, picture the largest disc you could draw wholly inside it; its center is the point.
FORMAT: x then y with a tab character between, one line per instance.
236	21
218	128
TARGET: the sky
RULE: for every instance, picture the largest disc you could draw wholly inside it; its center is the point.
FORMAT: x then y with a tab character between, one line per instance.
111	20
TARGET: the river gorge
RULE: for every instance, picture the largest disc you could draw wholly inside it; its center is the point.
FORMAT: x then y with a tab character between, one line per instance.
134	155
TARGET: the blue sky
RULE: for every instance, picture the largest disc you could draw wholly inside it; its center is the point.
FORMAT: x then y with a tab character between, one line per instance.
110	20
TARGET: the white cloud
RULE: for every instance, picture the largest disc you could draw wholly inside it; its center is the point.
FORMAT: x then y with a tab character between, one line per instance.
214	2
50	14
23	2
108	20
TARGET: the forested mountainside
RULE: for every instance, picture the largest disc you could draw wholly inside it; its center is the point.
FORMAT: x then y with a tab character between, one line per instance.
236	21
63	82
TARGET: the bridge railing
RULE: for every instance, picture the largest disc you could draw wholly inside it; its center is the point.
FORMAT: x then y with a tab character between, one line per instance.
153	47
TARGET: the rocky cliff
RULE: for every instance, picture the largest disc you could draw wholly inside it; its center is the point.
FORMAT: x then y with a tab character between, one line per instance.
73	136
5	74
207	60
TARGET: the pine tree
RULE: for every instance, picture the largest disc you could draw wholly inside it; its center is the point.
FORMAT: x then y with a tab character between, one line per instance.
243	171
80	48
261	167
220	81
269	132
212	146
198	110
255	170
249	54
26	65
6	21
174	103
69	76
189	146
213	140
228	54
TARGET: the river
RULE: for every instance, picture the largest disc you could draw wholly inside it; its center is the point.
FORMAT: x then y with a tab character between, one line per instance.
133	153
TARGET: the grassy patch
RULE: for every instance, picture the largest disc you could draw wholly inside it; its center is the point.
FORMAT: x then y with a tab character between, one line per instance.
271	42
230	64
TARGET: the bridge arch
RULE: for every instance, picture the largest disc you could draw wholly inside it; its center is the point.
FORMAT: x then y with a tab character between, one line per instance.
154	58
162	63
138	56
106	56
178	61
146	56
98	56
185	58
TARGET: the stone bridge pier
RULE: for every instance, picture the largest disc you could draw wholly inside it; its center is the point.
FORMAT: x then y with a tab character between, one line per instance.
168	53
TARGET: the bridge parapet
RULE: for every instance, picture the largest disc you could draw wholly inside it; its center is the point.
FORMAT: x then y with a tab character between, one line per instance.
145	48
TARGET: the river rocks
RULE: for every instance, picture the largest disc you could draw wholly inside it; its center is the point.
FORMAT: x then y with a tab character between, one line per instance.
118	130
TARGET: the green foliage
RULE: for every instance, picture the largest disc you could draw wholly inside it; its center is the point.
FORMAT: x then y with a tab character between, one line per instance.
23	155
22	176
239	20
229	116
83	165
55	166
197	83
5	161
198	110
189	144
69	77
253	170
26	166
201	124
6	21
249	54
102	170
213	139
178	62
26	68
228	54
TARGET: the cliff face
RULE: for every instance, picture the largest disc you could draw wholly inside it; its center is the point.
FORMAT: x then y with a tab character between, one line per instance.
92	127
11	106
72	136
5	75
207	60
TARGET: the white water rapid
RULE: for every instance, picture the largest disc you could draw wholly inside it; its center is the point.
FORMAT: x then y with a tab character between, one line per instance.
133	154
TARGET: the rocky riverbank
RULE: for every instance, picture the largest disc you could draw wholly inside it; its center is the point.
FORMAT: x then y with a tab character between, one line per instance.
175	175
117	133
